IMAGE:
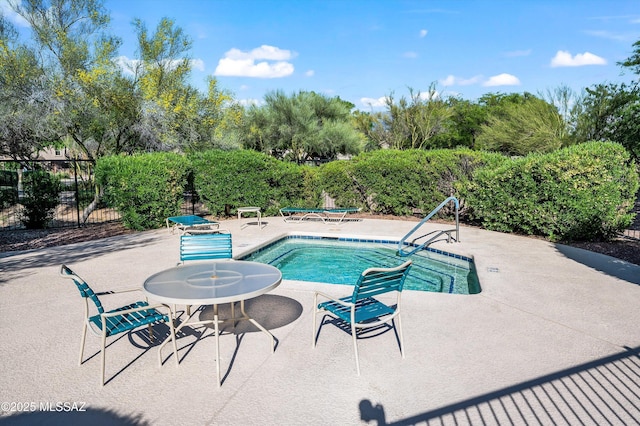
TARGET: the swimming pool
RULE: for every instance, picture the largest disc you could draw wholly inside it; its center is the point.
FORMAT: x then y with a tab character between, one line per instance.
342	260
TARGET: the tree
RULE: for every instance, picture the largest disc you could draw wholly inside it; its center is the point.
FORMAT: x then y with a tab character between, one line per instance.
463	125
520	124
371	125
78	55
304	127
415	122
566	101
174	113
25	110
610	112
633	61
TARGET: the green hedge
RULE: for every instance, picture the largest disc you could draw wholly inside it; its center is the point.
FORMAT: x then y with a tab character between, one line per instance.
584	192
226	180
402	182
145	188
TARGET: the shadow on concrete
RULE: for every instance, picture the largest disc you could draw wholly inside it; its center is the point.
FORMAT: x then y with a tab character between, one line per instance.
269	310
606	264
604	391
14	264
71	415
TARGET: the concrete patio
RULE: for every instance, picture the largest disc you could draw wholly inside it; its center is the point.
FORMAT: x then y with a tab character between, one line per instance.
553	338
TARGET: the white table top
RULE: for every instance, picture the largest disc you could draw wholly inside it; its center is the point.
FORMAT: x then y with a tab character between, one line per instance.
248	209
212	283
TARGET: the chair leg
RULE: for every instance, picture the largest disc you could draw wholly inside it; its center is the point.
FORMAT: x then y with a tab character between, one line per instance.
84	337
400	335
314	312
217	331
102	353
355	346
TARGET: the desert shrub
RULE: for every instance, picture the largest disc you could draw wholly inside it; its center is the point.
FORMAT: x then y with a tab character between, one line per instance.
144	188
583	192
41	197
226	180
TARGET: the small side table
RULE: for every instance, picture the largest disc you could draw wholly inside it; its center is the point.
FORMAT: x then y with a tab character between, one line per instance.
255	210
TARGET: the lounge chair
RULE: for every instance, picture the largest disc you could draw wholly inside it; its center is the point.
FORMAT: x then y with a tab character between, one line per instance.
361	310
299	214
192	224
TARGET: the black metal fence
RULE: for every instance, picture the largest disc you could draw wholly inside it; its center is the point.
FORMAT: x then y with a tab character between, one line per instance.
77	206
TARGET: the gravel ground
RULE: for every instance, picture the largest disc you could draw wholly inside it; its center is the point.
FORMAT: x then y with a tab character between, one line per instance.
623	248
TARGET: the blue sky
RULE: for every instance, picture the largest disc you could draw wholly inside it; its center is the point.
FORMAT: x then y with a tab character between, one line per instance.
364	50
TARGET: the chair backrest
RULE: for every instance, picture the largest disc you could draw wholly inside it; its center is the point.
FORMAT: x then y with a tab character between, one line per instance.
375	281
83	287
205	247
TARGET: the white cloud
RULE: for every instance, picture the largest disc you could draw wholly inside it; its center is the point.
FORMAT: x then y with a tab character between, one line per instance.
380	102
449	81
310	73
410	55
237	63
127	65
452	80
502	80
423	33
244	87
13	17
564	59
197	64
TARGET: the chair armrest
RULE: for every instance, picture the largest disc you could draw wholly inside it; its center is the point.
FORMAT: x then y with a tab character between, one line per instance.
333	299
128	290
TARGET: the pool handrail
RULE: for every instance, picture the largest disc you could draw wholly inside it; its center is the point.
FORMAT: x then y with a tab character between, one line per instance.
402	244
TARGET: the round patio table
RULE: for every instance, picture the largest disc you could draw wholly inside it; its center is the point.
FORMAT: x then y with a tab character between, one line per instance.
213	283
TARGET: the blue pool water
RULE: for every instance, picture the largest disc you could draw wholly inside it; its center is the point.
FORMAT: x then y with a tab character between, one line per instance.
341	261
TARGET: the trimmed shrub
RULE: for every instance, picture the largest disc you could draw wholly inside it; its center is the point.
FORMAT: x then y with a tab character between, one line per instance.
145	188
402	182
226	180
583	192
41	197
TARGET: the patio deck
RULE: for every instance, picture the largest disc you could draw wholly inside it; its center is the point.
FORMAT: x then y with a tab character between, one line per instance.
553	338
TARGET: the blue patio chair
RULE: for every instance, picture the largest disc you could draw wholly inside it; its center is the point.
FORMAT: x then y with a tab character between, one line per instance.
362	310
205	247
120	320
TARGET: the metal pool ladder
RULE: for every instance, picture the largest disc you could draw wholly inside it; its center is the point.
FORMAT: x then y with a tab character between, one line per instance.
402	244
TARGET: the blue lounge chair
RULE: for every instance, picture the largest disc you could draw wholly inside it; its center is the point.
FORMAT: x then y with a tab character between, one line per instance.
299	214
361	310
190	223
120	320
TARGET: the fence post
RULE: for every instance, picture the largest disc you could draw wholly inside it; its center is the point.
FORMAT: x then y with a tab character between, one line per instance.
75	178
